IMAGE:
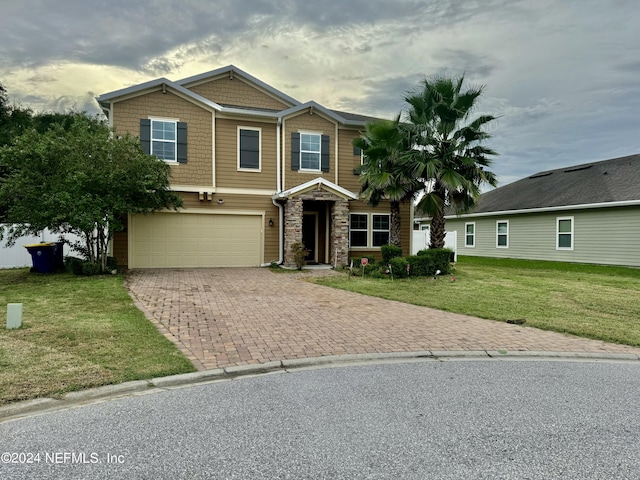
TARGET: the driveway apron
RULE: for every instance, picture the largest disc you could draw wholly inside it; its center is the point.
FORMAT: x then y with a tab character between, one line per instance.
221	317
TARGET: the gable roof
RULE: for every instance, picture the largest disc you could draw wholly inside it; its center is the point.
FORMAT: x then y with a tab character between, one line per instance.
604	183
318	183
181	87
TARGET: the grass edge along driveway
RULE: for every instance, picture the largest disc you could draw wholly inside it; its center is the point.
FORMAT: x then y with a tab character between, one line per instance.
78	332
592	301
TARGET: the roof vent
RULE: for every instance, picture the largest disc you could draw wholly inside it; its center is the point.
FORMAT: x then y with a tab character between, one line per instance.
576	169
542	174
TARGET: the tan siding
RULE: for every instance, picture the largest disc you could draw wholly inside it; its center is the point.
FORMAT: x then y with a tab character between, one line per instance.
198	169
244	202
358	206
310	123
604	235
347	161
237	92
227	174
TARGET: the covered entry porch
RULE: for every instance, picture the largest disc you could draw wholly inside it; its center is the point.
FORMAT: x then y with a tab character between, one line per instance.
316	213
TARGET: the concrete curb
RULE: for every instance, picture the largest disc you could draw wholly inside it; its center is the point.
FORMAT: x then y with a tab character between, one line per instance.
40	406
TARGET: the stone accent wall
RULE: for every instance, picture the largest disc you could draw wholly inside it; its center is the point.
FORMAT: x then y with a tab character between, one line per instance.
292	228
338	235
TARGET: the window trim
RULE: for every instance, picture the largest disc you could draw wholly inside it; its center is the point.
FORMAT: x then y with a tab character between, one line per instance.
373	230
246	169
558	233
473	235
498	222
369	230
319	152
175	122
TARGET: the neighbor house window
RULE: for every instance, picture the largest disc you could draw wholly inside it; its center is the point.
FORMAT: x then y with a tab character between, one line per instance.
310	151
380	230
502	234
358	229
249	149
564	233
469	234
164	139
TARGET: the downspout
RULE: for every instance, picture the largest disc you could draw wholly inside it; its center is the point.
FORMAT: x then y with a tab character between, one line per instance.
278	190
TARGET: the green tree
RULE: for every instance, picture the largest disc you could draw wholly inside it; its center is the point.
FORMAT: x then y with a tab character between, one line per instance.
383	174
79	178
447	150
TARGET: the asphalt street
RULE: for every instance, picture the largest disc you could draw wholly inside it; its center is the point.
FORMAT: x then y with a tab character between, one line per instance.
491	419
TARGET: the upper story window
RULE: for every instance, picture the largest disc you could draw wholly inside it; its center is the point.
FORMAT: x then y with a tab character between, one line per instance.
564	233
502	234
310	152
249	155
165	138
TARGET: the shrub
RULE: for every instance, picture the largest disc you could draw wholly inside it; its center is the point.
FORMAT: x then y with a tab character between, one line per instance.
369	269
427	262
398	267
90	268
299	252
74	264
389	252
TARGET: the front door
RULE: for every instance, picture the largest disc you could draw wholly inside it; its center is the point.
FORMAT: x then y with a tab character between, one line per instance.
310	235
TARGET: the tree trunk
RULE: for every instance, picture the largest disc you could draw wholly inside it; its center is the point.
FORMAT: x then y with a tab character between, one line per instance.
436	235
395	227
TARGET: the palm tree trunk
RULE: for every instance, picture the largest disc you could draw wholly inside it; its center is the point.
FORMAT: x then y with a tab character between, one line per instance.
395	227
436	235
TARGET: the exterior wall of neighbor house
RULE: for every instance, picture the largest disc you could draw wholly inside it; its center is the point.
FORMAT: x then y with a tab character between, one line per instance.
198	171
602	235
308	123
227	173
236	92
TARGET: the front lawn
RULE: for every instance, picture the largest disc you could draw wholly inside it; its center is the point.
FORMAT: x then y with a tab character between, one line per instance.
78	332
590	301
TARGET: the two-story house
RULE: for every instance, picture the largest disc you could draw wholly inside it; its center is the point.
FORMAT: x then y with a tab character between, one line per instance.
258	171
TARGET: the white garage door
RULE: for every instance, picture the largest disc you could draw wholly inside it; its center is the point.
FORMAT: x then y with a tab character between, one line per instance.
175	240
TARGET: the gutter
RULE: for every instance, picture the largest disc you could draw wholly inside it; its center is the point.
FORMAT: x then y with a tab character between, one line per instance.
278	190
584	206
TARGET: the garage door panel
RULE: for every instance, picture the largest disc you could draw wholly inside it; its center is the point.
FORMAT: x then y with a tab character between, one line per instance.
174	240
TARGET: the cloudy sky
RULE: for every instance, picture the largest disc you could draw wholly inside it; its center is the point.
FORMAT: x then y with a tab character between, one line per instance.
562	75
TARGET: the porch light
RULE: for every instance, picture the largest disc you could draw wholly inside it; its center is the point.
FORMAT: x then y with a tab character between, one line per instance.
271	222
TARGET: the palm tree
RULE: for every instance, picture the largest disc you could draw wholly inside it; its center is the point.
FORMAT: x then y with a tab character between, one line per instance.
446	149
382	173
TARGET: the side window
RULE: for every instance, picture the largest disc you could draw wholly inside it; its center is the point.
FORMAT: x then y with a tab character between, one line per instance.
469	234
564	233
249	142
502	234
380	230
358	229
164	138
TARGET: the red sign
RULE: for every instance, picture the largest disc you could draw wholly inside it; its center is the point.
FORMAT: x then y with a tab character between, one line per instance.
364	261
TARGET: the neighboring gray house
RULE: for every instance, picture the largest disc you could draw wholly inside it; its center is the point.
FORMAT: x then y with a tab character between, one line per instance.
587	213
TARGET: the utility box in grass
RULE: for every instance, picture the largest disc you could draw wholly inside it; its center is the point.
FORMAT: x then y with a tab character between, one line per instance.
46	257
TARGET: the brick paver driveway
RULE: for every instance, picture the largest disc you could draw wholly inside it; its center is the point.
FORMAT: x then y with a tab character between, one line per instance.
234	316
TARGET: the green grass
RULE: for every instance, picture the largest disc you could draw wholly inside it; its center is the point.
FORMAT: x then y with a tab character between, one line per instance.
78	332
591	301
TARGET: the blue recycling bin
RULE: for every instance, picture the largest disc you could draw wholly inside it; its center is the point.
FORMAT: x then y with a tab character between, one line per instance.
46	257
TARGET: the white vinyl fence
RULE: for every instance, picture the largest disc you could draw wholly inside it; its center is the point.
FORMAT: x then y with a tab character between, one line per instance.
18	256
421	241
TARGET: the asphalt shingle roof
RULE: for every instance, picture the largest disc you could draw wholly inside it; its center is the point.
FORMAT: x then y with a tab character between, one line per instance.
614	180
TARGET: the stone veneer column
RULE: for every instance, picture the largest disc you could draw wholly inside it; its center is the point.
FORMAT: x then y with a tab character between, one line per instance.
292	228
340	233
